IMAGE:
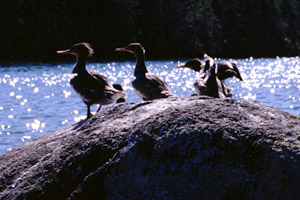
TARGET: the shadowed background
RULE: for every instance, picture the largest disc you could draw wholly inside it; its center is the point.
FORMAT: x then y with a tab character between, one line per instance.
32	30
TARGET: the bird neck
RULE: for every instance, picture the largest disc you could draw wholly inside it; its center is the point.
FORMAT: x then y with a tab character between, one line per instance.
213	71
140	67
80	65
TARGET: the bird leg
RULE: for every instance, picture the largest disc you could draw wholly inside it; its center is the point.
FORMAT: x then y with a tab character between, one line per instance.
88	115
99	108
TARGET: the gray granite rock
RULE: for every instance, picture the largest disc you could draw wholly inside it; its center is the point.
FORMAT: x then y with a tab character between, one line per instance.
192	148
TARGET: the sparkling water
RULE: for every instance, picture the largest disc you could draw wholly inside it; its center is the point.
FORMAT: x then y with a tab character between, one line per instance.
37	98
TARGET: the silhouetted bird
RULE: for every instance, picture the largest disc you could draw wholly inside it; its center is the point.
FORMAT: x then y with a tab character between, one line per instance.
91	86
146	85
206	82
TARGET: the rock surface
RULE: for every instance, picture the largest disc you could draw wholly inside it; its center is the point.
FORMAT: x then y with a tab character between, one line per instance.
192	148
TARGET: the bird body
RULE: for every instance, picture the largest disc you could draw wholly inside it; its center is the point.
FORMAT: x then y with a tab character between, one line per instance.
201	77
147	86
214	85
150	86
91	86
200	84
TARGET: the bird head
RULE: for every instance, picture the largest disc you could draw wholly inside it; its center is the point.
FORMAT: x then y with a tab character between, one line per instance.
238	75
194	64
134	48
79	49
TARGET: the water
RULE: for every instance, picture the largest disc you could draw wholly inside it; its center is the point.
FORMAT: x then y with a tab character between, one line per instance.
37	99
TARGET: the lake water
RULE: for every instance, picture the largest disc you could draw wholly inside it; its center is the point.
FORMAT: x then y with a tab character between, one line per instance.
37	98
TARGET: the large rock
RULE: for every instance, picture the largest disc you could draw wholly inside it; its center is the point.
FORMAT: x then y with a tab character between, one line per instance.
193	148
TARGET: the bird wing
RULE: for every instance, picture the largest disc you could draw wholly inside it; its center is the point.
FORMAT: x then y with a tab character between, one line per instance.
92	87
151	87
108	91
99	79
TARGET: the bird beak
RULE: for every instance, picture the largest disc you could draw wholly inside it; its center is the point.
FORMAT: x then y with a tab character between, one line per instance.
124	50
121	49
64	52
181	66
240	77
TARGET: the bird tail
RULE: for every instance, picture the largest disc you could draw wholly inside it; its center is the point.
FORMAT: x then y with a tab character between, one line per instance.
120	88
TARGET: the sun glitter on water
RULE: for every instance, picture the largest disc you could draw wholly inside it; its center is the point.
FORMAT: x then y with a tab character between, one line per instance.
37	99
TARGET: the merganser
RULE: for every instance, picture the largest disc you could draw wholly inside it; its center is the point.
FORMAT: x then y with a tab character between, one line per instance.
147	86
91	86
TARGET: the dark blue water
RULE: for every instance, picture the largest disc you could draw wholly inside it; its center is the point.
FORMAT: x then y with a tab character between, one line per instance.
38	99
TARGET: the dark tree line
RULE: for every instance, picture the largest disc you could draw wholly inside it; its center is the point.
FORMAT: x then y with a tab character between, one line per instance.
33	30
